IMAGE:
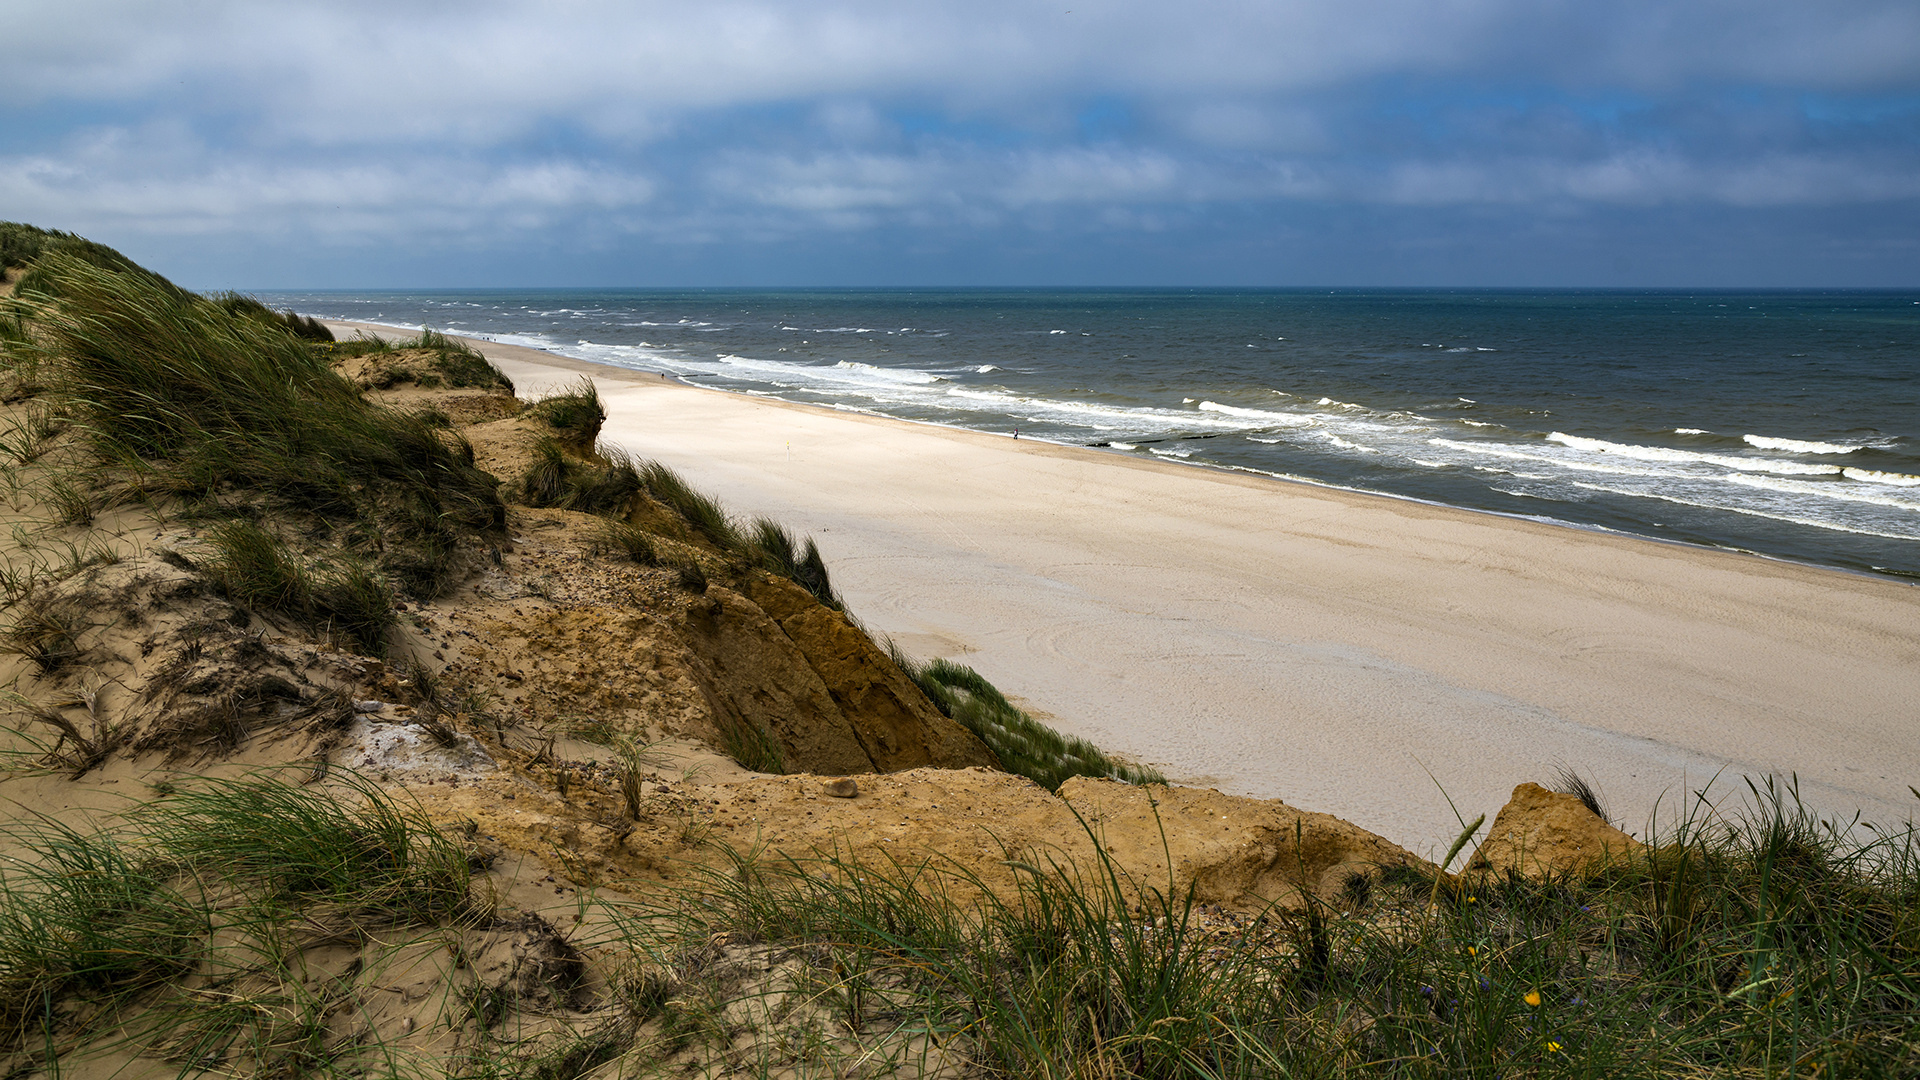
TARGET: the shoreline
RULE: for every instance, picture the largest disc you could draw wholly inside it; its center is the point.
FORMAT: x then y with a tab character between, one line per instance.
590	367
1358	654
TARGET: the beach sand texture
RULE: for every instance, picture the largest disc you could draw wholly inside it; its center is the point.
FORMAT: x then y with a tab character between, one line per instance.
1373	658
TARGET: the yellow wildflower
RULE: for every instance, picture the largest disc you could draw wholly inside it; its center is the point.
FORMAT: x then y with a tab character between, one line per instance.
1533	998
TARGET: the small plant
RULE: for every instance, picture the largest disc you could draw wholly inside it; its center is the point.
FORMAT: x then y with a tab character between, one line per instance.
690	577
753	746
1569	782
700	512
256	570
781	554
44	632
575	414
362	850
627	541
636	760
77	746
1024	745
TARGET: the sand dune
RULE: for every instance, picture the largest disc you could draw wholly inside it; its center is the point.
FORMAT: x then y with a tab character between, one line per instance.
1361	656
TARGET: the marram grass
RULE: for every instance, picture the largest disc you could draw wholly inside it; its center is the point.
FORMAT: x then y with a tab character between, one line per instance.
1795	953
1024	745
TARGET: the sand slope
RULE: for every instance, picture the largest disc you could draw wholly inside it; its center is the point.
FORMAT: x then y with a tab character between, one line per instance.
1282	640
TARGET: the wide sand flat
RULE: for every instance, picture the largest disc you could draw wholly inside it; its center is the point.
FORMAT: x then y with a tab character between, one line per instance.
1351	654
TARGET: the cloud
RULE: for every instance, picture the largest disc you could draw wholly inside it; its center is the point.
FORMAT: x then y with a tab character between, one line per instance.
161	181
726	122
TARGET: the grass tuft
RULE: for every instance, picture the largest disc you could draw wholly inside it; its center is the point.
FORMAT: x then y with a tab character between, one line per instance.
347	598
781	554
699	511
575	414
46	633
1567	781
1024	745
627	541
361	850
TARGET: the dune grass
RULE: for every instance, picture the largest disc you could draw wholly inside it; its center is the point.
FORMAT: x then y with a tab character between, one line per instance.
246	307
453	363
575	414
780	552
1024	745
555	478
701	512
356	849
1796	954
182	398
144	932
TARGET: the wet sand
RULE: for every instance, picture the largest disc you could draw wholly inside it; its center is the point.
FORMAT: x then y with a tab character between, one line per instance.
1358	655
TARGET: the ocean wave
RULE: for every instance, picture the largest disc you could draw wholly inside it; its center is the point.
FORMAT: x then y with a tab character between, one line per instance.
1665	453
1857	528
1345	445
1543	459
1874	476
900	375
1182	454
1123	446
1797	446
829	329
1262	415
984	368
1691	431
1087	415
1842	492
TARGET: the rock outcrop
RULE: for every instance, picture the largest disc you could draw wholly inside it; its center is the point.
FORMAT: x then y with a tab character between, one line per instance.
1238	852
1541	833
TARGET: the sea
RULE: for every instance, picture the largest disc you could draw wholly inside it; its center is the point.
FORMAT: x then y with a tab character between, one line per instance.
1780	423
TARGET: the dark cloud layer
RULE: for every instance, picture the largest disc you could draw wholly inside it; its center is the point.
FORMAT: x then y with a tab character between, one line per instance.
1388	141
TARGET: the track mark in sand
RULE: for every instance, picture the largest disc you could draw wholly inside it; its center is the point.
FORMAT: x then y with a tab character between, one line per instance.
1605	646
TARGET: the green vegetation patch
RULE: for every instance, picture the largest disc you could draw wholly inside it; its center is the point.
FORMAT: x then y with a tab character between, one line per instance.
575	415
1765	943
207	400
1024	745
146	933
448	361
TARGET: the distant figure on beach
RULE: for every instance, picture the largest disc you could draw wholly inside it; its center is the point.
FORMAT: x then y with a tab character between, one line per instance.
1016	433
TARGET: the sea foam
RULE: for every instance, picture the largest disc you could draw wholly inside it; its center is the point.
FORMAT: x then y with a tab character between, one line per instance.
1797	446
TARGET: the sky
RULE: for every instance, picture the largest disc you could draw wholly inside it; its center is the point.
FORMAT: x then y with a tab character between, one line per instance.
410	144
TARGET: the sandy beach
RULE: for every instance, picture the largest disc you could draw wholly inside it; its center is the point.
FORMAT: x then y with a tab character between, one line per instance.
1378	659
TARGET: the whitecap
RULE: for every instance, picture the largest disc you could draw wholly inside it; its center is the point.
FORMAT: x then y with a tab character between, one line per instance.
1849	493
1056	331
900	375
1123	446
1691	431
1874	476
1345	445
1797	446
1261	415
1663	453
1170	453
984	368
1752	511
